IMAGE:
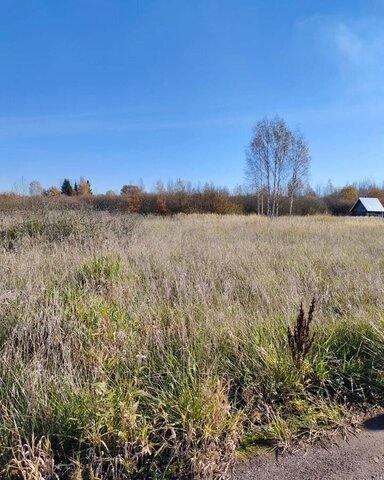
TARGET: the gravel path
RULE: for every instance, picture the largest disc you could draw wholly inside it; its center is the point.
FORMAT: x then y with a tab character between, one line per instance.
360	457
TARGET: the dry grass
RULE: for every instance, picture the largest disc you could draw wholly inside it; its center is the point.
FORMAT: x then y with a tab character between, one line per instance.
157	347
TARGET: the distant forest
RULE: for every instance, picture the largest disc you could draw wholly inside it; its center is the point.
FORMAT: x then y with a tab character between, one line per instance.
182	197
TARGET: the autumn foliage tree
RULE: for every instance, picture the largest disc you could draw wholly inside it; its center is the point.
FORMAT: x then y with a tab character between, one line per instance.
84	187
349	193
217	201
133	196
162	205
376	192
52	191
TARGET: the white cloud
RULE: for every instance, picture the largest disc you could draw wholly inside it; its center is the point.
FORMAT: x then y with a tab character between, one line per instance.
352	44
351	47
351	50
88	123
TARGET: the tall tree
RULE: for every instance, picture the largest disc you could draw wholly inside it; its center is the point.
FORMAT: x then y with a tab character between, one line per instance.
35	188
84	187
133	196
349	193
66	188
299	161
52	191
275	158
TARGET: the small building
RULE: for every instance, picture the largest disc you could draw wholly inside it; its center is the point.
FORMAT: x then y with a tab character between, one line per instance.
367	207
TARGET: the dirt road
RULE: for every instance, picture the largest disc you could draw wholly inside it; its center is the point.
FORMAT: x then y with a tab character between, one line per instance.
360	457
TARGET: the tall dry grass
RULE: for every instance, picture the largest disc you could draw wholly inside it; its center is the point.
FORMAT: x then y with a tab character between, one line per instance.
156	347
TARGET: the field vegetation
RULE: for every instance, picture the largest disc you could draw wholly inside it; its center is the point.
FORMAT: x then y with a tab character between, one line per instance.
164	347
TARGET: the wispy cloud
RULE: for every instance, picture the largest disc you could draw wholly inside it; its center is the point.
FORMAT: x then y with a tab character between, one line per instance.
352	47
91	124
353	44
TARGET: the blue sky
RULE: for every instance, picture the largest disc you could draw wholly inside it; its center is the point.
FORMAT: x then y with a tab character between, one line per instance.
118	90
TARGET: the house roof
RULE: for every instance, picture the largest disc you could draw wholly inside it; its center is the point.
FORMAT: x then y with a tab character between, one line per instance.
371	204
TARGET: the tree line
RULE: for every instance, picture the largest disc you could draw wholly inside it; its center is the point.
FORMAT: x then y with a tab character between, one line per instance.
181	197
277	183
82	187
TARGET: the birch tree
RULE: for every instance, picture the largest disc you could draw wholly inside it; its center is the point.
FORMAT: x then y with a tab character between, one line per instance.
276	159
35	188
299	166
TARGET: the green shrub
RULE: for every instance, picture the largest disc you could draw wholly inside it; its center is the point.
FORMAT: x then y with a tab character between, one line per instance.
48	231
100	272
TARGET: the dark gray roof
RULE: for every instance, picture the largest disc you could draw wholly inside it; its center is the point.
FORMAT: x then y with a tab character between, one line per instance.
371	204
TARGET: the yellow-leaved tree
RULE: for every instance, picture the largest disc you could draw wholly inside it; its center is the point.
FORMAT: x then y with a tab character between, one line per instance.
349	192
84	187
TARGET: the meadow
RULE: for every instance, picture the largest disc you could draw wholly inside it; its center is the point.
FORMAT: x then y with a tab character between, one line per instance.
151	347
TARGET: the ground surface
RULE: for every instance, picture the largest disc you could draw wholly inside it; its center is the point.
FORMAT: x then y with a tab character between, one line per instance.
359	457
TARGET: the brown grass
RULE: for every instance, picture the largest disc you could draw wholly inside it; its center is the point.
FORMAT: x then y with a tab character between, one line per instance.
157	346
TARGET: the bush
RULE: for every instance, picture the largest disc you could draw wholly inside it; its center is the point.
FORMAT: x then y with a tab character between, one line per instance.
49	231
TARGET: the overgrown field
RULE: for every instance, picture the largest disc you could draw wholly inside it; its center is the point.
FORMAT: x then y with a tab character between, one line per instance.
157	347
